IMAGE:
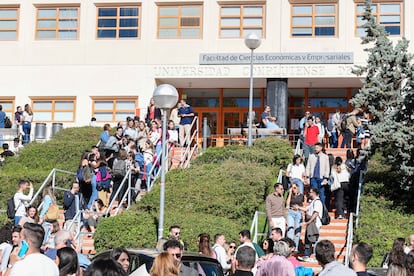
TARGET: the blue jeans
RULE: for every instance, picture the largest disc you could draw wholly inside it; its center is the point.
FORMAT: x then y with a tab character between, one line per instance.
317	183
27	127
307	150
94	195
294	221
334	139
17	219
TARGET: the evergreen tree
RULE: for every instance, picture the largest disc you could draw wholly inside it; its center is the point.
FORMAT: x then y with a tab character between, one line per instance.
387	92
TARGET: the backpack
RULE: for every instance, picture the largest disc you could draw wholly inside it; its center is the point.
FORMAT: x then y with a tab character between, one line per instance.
119	167
103	179
11	208
87	174
325	219
7	122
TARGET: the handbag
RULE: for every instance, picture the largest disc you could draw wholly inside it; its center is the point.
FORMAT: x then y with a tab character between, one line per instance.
52	213
334	182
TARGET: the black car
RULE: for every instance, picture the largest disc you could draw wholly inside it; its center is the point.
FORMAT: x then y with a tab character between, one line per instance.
141	260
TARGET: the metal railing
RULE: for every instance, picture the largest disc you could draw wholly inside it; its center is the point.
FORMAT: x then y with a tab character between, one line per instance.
189	152
50	177
349	238
126	179
254	228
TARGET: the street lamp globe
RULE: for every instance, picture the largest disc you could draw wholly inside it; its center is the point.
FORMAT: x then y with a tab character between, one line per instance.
165	96
252	41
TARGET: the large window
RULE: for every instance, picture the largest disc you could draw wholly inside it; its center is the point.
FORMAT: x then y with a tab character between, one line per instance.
118	22
237	21
56	109
9	23
7	104
387	14
180	21
59	23
113	109
314	20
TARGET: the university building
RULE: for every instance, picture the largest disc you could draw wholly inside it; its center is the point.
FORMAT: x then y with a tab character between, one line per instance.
77	59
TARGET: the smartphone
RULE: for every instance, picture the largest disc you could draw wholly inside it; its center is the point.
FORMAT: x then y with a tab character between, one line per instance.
23	249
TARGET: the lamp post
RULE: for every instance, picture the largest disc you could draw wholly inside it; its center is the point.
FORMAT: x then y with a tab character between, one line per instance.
165	97
252	42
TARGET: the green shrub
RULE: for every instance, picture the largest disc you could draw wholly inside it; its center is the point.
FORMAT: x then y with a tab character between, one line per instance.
380	223
218	193
36	160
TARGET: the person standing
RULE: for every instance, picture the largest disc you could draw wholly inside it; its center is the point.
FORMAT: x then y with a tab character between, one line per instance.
186	113
34	262
221	255
245	260
21	201
325	255
27	118
265	116
174	248
311	136
174	234
174	116
72	203
15	242
275	208
153	113
351	127
2	117
361	253
294	218
313	222
317	170
336	124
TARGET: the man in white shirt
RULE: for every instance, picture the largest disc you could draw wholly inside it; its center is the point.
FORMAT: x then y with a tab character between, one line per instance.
221	255
33	262
21	200
314	213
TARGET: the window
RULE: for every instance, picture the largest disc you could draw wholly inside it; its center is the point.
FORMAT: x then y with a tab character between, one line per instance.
180	21
387	14
59	23
113	109
118	22
314	20
9	23
238	21
61	109
8	106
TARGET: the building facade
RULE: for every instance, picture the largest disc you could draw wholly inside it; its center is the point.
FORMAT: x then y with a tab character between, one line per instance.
73	60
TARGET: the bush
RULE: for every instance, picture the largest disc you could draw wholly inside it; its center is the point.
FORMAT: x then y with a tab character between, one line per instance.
218	193
36	160
380	224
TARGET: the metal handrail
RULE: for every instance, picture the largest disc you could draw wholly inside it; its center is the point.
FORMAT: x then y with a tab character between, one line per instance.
189	152
254	228
52	175
349	238
124	180
280	176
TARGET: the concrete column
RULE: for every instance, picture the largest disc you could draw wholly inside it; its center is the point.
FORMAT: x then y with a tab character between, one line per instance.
277	99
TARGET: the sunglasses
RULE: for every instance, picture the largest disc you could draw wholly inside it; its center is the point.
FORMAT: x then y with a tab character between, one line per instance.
177	233
232	246
177	255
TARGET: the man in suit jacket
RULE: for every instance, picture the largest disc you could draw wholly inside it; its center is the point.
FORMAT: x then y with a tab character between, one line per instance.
317	170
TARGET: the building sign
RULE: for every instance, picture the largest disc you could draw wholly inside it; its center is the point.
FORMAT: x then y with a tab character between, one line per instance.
266	71
277	58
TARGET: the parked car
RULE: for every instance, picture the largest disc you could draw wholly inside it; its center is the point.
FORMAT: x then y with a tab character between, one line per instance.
141	260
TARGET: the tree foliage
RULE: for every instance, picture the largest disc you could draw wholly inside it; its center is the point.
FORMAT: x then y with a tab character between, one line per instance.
387	92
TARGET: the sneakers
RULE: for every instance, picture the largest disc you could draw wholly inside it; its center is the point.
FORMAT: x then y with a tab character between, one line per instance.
340	217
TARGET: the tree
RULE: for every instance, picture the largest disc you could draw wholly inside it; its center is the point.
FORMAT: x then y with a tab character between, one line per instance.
387	92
